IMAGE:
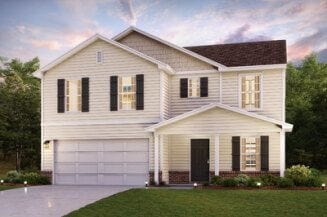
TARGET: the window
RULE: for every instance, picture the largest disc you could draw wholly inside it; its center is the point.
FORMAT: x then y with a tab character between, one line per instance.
73	95
250	92
250	154
99	57
193	87
127	93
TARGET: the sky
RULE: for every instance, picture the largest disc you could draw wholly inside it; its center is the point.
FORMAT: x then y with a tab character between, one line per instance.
49	28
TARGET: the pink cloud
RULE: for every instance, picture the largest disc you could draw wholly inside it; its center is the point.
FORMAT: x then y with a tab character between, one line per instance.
49	44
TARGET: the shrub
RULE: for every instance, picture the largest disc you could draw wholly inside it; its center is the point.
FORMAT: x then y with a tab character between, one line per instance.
252	182
242	180
269	180
299	174
13	174
35	178
13	177
216	180
231	182
313	182
285	182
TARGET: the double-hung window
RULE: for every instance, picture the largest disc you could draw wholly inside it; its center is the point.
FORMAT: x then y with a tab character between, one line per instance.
193	87
251	92
250	154
73	95
127	92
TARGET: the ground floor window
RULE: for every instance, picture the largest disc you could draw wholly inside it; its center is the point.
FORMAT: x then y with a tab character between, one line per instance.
250	154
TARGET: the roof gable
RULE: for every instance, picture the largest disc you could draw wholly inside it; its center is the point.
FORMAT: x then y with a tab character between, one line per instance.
181	49
39	73
245	54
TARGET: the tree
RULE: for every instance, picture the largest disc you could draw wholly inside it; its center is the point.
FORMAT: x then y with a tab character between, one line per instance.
20	112
306	108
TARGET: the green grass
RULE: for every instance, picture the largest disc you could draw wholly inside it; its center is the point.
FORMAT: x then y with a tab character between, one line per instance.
5	187
227	203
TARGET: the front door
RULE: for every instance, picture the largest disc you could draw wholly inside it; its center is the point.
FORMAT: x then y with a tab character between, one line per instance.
199	159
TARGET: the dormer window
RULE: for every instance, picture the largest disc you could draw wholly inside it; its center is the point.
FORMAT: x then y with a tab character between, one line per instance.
251	92
99	57
194	87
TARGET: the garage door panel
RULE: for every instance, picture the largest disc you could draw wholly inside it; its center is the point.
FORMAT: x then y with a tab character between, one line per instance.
136	168
113	168
87	168
87	156
113	179
66	157
65	167
113	157
141	146
135	179
87	145
87	179
66	146
65	179
136	157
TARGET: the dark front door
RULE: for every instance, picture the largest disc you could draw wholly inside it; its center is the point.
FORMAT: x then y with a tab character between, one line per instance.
199	159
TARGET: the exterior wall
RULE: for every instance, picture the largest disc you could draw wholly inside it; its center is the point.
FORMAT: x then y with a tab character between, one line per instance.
219	120
176	59
165	96
181	105
272	90
164	154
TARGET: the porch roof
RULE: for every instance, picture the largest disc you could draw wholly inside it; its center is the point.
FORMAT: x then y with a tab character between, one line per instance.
283	125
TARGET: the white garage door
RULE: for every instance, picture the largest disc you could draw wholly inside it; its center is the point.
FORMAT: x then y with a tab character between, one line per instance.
101	162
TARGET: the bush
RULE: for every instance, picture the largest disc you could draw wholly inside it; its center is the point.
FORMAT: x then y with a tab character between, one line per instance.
229	182
216	180
285	182
269	180
252	182
242	180
13	174
13	177
303	176
35	178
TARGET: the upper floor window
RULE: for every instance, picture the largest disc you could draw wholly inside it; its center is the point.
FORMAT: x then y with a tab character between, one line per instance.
127	93
250	92
250	154
73	95
99	56
194	87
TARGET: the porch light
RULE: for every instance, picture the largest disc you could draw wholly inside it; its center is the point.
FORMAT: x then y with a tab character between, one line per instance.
323	185
25	183
1	181
195	185
46	144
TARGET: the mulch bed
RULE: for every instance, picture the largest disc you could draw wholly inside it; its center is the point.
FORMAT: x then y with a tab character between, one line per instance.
263	188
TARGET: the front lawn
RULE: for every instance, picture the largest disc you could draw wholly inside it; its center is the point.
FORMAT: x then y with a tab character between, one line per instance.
6	187
233	203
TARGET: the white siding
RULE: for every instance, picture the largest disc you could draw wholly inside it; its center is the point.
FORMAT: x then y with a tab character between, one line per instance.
165	98
164	161
181	105
218	120
176	59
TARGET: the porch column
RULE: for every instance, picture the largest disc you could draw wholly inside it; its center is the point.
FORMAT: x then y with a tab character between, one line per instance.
282	150
217	137
156	159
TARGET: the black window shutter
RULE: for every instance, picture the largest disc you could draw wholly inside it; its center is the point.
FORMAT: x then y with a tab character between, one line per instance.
113	93
140	92
264	149
204	86
61	95
183	87
236	150
85	94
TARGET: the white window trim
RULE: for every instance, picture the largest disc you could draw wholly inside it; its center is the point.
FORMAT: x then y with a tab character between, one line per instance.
240	75
119	93
244	137
96	57
188	86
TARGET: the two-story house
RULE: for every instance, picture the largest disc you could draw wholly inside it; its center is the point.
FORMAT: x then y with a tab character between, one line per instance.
126	110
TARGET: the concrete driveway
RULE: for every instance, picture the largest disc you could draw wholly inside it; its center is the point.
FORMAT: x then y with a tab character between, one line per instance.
51	200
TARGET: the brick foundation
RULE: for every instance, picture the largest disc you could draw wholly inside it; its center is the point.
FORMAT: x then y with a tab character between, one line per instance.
228	174
151	176
179	177
47	173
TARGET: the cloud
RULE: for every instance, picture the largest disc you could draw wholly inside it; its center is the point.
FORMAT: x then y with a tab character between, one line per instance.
322	55
127	12
49	44
240	35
